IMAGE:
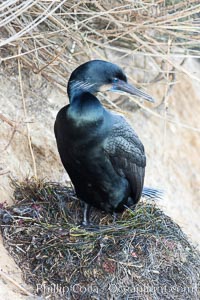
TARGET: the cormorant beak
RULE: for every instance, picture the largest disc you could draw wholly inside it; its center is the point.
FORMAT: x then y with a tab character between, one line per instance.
124	87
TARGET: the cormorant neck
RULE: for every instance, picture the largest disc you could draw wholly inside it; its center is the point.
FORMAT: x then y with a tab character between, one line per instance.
84	109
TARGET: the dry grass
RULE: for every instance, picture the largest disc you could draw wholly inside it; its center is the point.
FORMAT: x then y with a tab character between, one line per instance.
55	36
143	254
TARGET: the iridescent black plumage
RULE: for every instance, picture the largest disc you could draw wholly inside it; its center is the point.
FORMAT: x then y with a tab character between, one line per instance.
100	151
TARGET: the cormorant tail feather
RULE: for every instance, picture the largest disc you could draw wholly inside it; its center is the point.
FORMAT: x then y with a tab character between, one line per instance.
152	193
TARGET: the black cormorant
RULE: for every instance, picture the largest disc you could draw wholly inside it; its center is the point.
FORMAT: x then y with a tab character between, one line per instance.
100	151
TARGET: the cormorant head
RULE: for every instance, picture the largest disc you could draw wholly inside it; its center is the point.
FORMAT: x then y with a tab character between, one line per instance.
98	75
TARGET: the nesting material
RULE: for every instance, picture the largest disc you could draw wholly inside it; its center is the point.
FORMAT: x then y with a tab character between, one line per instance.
142	255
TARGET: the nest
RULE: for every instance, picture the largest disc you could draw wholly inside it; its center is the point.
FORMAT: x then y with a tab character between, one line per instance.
142	255
53	37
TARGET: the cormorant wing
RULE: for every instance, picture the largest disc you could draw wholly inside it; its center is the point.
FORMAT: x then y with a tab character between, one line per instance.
126	153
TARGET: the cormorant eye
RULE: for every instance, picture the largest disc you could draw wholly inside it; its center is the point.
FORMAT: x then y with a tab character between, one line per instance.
115	80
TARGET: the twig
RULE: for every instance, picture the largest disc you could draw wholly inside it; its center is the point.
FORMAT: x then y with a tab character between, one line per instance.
11	123
172	76
24	291
180	124
11	138
8	121
4	172
25	115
